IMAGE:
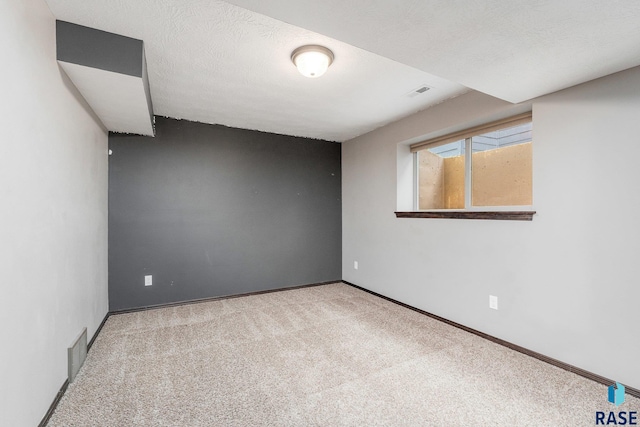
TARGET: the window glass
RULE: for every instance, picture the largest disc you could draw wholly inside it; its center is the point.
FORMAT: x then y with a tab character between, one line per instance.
501	171
441	177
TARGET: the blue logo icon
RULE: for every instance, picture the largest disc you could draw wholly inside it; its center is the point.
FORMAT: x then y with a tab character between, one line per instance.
616	394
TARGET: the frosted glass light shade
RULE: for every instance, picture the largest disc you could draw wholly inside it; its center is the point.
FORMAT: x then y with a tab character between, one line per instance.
312	61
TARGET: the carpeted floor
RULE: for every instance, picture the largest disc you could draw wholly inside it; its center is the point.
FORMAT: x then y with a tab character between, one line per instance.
329	355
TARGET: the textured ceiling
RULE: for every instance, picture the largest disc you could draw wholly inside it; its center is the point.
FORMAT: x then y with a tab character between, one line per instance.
214	62
514	50
228	62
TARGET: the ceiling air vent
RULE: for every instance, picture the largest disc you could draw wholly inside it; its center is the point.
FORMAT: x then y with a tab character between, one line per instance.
418	91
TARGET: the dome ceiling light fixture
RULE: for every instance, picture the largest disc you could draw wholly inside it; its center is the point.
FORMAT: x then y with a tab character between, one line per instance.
312	60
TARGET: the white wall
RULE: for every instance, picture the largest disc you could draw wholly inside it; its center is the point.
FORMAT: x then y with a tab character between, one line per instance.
567	282
53	210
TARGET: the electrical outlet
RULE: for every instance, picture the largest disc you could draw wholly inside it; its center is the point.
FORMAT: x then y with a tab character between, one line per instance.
355	265
493	302
148	280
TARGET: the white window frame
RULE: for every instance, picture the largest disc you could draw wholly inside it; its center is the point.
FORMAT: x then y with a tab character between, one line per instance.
468	166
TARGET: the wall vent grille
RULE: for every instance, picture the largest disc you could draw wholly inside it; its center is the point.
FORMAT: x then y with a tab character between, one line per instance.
77	353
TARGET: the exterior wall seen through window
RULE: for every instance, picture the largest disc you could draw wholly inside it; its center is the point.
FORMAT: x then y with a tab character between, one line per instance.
497	174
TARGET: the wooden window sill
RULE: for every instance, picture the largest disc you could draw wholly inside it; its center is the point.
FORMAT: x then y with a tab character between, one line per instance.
501	215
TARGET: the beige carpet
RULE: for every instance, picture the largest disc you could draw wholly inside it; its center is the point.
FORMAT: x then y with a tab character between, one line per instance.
329	355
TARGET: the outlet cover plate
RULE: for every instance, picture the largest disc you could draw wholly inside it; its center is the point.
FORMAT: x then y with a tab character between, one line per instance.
493	302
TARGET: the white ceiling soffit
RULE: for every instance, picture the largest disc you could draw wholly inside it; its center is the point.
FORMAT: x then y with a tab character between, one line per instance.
109	71
213	62
514	50
117	99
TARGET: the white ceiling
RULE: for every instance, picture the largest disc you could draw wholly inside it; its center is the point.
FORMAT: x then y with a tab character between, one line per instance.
216	62
511	49
213	62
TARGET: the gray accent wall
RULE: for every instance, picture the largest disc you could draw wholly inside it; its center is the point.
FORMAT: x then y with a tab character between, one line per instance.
567	282
93	48
209	210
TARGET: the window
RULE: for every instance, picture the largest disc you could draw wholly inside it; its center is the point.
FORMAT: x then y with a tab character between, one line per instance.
497	175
